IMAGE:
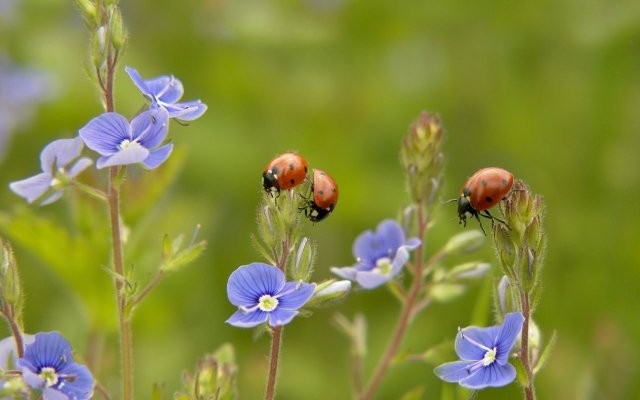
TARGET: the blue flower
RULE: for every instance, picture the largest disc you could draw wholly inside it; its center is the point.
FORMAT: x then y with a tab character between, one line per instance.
47	365
484	355
55	160
121	143
164	92
261	293
380	256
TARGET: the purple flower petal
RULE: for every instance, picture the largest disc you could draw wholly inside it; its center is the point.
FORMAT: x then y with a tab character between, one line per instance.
509	332
295	295
59	153
454	371
392	233
371	280
158	156
82	385
150	127
466	347
130	155
137	80
32	188
345	272
494	375
166	88
186	111
249	282
242	319
79	166
105	133
281	316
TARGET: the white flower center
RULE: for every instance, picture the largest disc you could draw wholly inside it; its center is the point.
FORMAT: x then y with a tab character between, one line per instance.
128	144
267	303
383	266
49	375
489	357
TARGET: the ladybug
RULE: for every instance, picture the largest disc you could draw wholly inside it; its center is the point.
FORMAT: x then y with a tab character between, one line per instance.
325	196
483	190
286	171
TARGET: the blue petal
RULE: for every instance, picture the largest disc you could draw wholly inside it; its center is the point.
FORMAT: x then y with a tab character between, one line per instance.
401	258
493	375
150	127
158	156
32	188
130	155
369	246
59	153
166	88
295	295
247	283
371	280
105	133
508	335
53	394
345	272
281	316
241	319
412	243
186	111
453	371
49	349
79	166
466	347
80	384
137	80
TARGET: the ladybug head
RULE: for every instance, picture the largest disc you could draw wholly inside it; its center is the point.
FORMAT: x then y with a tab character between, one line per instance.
270	183
465	209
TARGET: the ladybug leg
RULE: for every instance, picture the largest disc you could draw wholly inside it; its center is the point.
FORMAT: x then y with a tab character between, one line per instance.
480	222
487	214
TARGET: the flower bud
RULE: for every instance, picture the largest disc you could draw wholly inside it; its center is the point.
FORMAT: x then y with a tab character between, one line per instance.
117	30
470	270
10	287
214	377
88	11
329	291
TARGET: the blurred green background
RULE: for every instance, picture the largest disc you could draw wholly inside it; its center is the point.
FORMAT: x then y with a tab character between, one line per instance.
548	89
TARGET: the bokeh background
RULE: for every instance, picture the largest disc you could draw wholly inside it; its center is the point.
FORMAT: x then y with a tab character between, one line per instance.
547	89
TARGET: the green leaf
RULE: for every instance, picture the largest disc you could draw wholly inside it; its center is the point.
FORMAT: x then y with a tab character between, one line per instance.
546	353
184	257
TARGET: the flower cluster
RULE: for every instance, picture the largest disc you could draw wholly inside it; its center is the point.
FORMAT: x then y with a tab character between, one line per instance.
117	140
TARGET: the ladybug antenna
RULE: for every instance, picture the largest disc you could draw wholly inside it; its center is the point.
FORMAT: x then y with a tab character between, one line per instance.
450	201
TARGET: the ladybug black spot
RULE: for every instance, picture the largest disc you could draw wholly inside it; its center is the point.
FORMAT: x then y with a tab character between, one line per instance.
306	169
504	182
484	182
489	199
275	170
291	167
293	181
321	192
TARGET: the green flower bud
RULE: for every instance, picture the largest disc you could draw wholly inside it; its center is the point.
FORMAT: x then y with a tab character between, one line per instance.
465	242
214	377
11	296
117	30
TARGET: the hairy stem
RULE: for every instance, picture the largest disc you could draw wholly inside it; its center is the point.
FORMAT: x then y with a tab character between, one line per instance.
529	389
276	340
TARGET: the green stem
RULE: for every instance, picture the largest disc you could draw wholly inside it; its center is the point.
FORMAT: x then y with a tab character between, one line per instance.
126	343
529	389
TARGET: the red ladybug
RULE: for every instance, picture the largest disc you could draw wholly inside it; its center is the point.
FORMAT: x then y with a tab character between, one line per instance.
483	190
325	196
286	171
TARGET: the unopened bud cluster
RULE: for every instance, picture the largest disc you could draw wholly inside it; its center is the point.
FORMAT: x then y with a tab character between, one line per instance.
521	243
423	160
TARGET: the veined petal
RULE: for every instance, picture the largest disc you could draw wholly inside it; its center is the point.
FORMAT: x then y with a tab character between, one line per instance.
281	316
453	371
493	375
158	156
371	280
366	249
32	188
81	386
137	80
130	155
166	88
186	111
59	153
295	295
48	349
247	320
249	282
468	339
508	335
150	128
104	133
